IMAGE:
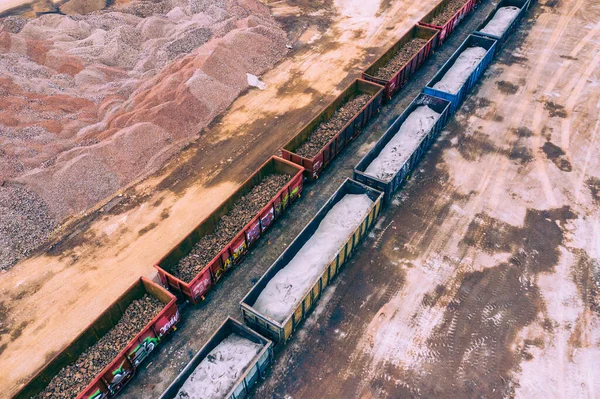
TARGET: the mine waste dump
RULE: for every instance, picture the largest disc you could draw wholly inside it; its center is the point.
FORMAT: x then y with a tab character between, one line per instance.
229	226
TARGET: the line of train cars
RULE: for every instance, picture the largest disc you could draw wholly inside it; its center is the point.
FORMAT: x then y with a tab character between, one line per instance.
275	307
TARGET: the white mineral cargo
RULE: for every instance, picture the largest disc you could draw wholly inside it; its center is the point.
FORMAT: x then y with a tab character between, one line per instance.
501	21
460	71
286	289
395	154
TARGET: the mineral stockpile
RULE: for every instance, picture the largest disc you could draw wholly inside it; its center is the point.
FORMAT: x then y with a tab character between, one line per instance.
92	102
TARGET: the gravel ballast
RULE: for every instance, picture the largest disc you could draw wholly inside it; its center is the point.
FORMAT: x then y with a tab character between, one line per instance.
72	379
399	149
403	55
460	71
448	12
220	369
229	225
282	293
328	129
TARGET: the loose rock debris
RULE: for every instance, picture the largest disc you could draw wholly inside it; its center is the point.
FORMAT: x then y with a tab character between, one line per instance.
448	12
327	129
229	225
404	54
72	379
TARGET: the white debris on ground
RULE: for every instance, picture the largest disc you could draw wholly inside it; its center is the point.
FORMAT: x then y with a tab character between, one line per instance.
216	375
501	21
287	287
254	81
460	71
403	144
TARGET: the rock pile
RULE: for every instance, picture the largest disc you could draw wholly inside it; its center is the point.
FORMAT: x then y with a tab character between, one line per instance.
229	225
451	8
90	103
72	379
25	222
403	55
327	129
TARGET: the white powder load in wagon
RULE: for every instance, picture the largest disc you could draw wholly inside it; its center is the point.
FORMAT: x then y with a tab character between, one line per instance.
216	375
399	149
460	71
286	289
501	21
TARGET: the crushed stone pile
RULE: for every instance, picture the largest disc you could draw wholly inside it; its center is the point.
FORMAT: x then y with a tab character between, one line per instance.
229	226
403	55
25	222
398	150
460	71
501	21
90	103
283	292
329	128
448	12
216	375
72	379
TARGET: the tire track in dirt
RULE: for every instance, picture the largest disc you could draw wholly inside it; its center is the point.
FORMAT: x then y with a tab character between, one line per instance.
575	93
590	150
502	275
537	117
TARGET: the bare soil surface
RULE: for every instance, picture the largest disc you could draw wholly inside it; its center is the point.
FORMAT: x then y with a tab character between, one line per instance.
72	379
480	279
328	129
52	296
229	226
403	55
447	12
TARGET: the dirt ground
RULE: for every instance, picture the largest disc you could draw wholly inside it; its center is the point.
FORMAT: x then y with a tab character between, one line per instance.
482	279
51	297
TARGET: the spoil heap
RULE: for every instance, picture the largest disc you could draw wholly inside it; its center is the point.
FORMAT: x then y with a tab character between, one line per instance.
329	128
229	225
72	379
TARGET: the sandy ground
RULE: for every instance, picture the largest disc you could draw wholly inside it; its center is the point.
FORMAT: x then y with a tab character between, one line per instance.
52	297
8	4
482	279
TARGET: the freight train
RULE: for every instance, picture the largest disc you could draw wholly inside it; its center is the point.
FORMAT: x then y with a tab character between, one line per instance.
375	179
